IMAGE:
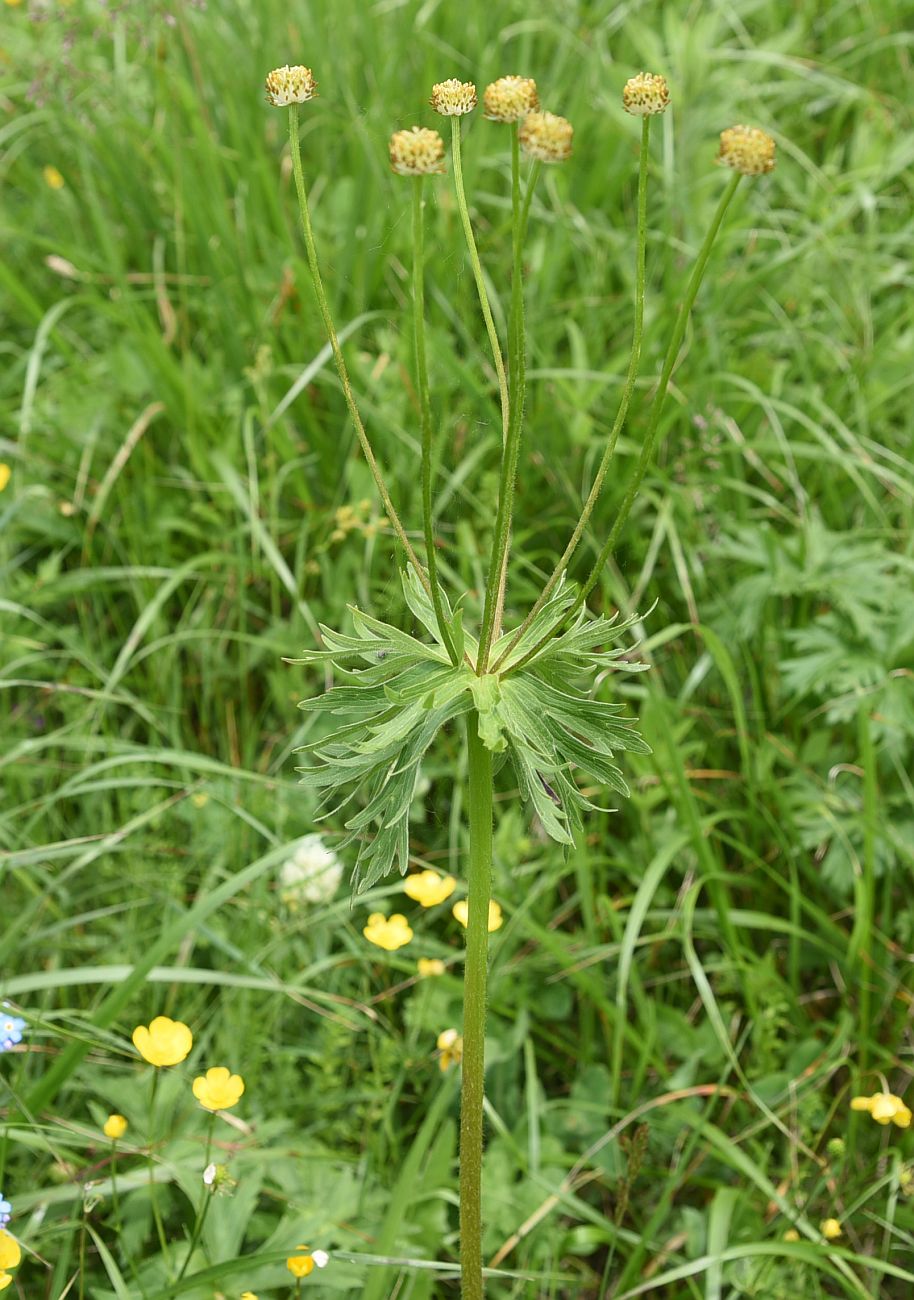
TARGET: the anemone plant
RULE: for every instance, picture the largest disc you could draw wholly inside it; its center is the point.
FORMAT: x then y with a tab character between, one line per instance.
528	695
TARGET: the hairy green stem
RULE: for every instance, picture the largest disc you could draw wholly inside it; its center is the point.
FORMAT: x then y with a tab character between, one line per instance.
206	1199
479	802
342	370
425	414
624	401
477	274
672	352
501	540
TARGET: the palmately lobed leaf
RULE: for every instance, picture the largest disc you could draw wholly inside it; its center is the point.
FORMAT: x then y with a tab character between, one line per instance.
398	692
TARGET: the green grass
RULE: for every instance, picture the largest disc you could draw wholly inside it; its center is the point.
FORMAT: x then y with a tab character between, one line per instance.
179	449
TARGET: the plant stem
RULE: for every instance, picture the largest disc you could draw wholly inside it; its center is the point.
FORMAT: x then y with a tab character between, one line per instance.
474	1010
501	540
153	1193
342	371
860	965
425	414
624	401
477	274
672	352
204	1205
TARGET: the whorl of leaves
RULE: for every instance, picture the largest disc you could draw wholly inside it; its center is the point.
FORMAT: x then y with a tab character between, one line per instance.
398	692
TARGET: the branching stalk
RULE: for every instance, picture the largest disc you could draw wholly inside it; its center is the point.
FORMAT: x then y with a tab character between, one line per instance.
624	401
656	411
342	370
501	540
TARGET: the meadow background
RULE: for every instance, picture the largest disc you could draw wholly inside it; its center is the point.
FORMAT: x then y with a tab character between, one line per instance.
171	529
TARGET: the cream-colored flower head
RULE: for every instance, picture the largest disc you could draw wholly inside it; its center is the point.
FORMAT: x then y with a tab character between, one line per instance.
453	98
746	149
510	98
416	152
546	137
295	85
646	94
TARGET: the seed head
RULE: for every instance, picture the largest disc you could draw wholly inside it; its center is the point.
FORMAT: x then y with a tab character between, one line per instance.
453	98
646	94
417	152
746	149
287	86
510	98
546	137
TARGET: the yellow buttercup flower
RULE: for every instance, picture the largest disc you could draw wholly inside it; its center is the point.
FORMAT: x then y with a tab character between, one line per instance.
450	1049
290	85
218	1089
5	474
546	137
646	94
248	1295
791	1235
390	934
165	1042
417	152
830	1229
10	1257
885	1108
746	149
428	888
302	1265
428	966
52	178
461	910
115	1127
453	98
510	98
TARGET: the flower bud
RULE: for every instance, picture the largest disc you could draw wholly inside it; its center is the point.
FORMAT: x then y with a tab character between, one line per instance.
453	98
417	152
290	85
510	98
746	149
646	94
546	137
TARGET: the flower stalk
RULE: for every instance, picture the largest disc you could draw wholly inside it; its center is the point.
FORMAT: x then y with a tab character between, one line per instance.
479	805
425	414
478	276
342	370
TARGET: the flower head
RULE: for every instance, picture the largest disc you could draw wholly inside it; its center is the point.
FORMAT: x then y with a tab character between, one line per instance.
290	85
428	888
302	1265
453	98
10	1256
430	966
646	94
546	137
11	1027
461	910
390	934
510	98
165	1042
311	875
248	1295
746	149
114	1127
52	177
218	1089
885	1108
791	1235
6	1211
450	1049
416	152
217	1180
830	1229
5	474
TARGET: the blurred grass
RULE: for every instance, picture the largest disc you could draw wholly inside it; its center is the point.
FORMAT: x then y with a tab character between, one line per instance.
178	456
